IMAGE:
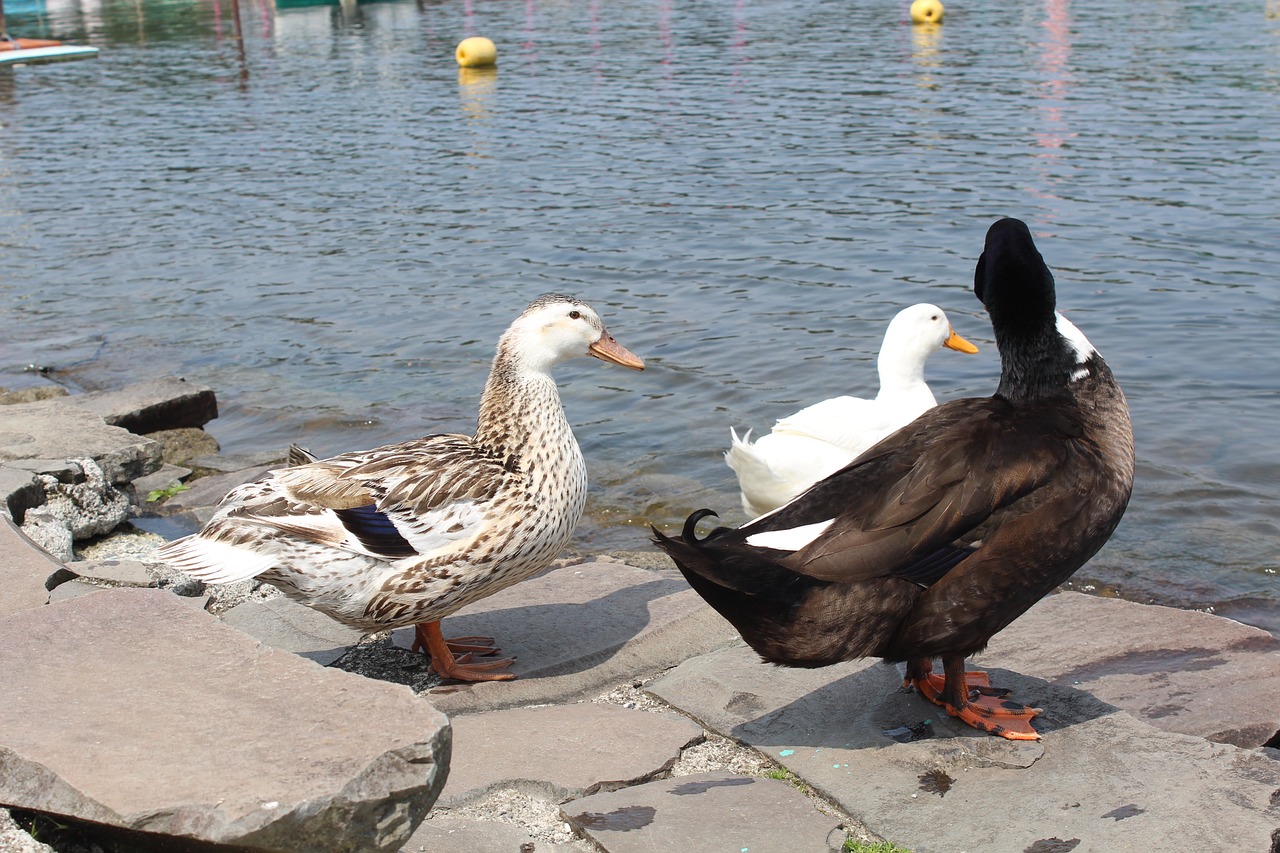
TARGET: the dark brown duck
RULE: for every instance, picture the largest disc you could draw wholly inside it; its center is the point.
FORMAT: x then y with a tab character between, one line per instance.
938	537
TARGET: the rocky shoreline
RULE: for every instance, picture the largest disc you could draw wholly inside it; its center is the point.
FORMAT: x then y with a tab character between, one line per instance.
144	711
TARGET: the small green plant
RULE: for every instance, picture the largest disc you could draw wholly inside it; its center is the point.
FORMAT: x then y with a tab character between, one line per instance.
852	846
167	492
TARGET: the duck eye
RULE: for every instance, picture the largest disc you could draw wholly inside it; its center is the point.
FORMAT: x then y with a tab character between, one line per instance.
575	315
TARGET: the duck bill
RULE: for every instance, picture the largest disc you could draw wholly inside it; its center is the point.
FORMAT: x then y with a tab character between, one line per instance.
607	349
958	343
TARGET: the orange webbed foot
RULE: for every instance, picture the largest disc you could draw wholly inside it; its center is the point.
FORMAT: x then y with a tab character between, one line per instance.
969	697
455	659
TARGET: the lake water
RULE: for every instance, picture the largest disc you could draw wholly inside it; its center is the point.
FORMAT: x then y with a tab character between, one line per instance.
330	224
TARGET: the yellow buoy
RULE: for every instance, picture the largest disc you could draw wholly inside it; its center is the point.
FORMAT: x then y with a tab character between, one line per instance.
476	52
926	12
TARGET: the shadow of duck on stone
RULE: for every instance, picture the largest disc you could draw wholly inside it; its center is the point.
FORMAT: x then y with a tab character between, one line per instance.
546	639
867	708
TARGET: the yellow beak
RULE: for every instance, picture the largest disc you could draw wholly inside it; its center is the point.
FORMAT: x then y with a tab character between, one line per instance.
958	343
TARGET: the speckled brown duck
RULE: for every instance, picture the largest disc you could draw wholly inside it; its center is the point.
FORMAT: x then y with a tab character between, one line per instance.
409	533
942	534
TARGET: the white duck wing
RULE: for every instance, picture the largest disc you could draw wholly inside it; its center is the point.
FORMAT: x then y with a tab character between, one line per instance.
778	466
406	501
852	423
418	497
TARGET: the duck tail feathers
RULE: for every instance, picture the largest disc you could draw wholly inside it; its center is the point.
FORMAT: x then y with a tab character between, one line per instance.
687	550
689	533
727	566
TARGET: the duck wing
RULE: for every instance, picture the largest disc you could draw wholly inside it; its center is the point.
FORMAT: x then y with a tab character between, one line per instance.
405	500
413	500
923	499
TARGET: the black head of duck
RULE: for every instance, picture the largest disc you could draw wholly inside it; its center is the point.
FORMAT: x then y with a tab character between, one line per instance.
939	536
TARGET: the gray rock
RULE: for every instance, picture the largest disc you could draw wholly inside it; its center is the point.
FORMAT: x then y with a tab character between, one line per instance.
560	750
257	748
13	839
89	507
25	569
58	429
31	395
1099	780
182	445
580	629
1179	670
145	407
706	813
285	624
50	533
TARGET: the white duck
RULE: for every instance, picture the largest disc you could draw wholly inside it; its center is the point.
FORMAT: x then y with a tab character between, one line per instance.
819	440
409	533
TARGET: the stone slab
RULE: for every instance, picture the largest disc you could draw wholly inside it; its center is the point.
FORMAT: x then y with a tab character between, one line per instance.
58	429
25	568
147	714
563	750
706	813
1179	670
113	572
73	589
285	624
229	463
143	407
464	835
206	492
579	629
1099	780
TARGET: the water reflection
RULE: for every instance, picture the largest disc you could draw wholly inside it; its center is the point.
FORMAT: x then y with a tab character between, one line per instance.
328	222
476	87
925	42
1053	91
739	43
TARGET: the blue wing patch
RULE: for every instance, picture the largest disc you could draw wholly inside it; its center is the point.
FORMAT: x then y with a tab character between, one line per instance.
376	532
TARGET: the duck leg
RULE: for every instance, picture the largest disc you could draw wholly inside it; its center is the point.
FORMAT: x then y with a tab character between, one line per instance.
969	697
448	663
461	645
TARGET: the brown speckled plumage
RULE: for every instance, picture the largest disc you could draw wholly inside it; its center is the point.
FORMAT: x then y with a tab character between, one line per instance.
409	533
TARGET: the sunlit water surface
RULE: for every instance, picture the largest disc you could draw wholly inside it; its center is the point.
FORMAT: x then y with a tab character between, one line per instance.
330	224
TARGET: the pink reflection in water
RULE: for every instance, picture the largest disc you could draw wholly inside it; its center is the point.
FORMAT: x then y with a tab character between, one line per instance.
1054	130
1055	57
738	47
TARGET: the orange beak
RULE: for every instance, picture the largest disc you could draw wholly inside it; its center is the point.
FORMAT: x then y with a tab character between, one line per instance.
958	343
607	349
